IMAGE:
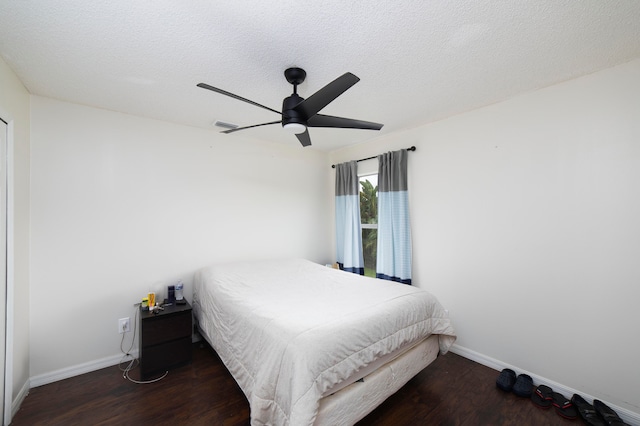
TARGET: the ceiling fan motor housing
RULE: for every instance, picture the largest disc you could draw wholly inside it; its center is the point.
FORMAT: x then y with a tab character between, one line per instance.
295	76
289	114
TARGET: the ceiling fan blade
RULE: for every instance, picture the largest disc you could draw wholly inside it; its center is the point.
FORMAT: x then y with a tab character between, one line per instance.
231	95
248	127
304	138
320	120
314	103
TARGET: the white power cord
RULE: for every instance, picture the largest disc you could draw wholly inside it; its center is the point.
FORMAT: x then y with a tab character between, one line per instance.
133	363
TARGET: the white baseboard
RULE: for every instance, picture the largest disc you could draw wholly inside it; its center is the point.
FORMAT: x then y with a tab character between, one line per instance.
76	370
626	415
17	402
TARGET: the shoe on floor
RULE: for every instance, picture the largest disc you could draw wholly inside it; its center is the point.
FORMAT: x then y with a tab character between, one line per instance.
506	380
564	407
610	417
523	386
587	412
542	397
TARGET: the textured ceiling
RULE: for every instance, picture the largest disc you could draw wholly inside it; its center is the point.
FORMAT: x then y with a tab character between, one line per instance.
418	61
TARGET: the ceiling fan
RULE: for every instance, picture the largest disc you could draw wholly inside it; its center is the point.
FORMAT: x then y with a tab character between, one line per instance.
299	114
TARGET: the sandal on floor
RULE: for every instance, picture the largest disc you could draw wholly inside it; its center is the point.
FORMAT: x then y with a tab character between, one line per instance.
587	412
506	379
523	386
542	397
564	407
610	417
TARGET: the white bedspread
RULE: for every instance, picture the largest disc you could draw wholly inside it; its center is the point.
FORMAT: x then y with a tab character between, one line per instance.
289	330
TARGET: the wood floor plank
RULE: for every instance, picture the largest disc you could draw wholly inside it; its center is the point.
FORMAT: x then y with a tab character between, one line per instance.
451	391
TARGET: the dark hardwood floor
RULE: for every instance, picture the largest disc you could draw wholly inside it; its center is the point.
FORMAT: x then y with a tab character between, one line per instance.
451	391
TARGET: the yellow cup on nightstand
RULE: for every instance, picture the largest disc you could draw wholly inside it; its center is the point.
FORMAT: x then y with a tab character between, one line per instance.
152	300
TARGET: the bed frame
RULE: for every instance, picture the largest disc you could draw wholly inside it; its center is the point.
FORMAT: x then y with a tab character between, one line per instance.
354	402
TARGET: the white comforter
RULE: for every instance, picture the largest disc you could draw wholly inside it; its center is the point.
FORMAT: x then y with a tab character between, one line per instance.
290	330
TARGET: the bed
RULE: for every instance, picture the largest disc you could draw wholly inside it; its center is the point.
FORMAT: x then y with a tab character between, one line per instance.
312	345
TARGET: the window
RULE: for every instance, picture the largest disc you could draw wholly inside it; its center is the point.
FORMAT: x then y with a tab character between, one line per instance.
369	221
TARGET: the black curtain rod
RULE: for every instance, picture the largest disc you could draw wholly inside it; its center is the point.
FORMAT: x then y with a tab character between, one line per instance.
413	148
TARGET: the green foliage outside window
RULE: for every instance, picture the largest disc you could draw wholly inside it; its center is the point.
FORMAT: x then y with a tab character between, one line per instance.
369	215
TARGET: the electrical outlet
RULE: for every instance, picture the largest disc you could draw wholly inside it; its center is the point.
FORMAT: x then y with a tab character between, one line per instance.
123	325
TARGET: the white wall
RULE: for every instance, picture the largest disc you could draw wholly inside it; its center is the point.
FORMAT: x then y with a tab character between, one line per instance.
14	108
526	225
122	205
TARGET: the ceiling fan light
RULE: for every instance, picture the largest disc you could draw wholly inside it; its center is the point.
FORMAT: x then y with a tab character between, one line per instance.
296	128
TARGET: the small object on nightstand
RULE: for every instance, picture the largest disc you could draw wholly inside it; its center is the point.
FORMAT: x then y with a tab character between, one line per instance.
171	294
179	295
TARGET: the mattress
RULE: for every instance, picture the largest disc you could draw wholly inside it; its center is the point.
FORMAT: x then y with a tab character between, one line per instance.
292	332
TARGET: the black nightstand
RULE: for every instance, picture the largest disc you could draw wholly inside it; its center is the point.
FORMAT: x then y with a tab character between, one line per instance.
165	340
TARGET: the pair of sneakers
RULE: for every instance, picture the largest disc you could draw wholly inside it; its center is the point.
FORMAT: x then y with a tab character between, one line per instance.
521	385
